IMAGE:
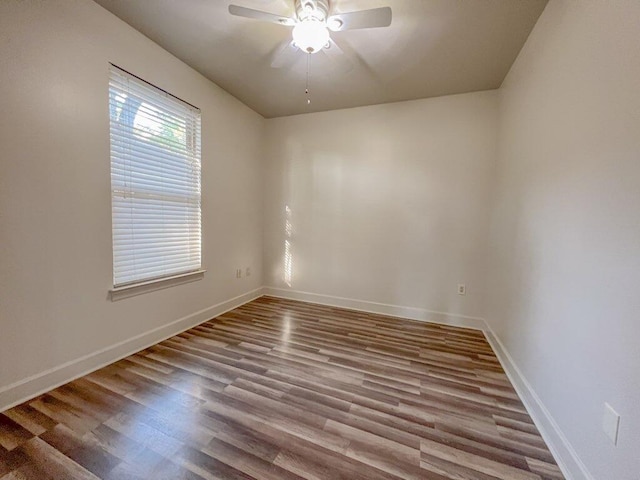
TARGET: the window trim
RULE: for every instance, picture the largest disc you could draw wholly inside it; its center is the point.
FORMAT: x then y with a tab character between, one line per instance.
137	287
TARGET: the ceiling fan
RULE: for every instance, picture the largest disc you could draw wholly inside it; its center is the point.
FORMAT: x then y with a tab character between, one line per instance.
311	25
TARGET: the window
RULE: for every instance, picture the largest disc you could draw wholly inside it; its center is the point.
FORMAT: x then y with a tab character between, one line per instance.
155	182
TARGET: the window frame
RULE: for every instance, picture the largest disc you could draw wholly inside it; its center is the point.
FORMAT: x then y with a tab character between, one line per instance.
142	173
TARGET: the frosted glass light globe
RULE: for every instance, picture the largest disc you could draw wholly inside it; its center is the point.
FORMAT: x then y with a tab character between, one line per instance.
310	35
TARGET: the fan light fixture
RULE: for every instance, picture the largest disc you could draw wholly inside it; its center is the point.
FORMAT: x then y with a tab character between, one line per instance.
311	24
310	35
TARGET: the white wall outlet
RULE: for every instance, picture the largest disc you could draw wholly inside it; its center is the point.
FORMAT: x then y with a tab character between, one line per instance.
611	423
239	273
462	290
247	272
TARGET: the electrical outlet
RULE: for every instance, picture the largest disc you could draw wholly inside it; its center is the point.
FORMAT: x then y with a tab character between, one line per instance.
462	290
239	273
247	272
611	423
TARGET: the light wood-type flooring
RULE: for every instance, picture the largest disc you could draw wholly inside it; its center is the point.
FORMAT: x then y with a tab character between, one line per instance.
285	390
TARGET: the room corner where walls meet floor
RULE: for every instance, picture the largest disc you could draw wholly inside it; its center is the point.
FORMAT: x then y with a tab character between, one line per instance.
37	384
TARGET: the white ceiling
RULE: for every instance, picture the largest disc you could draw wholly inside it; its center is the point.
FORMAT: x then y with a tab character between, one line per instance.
432	48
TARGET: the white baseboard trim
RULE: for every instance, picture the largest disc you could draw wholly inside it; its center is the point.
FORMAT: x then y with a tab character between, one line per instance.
412	313
568	460
23	390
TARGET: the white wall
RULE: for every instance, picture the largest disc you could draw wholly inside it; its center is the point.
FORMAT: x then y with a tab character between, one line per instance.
388	203
565	233
55	211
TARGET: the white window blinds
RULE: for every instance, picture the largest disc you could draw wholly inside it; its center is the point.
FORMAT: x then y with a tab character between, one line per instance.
155	181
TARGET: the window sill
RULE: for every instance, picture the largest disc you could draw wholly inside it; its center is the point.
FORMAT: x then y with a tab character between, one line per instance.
120	293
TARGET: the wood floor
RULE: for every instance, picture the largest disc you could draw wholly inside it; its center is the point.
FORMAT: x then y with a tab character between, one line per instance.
285	390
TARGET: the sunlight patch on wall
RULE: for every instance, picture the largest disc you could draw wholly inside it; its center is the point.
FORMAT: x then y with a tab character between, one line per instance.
288	256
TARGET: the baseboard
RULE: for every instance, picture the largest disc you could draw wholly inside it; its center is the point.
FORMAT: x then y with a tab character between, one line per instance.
570	464
412	313
568	460
30	387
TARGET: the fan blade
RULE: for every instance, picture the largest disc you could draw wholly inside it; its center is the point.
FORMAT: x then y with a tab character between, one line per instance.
376	17
260	15
338	57
286	55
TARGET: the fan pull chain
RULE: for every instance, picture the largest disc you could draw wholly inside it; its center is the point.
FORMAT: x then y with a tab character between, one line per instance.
306	91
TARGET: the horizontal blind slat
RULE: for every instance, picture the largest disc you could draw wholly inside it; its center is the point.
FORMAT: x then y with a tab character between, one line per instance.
131	149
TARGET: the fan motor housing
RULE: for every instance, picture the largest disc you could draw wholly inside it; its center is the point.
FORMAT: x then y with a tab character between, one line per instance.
312	9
